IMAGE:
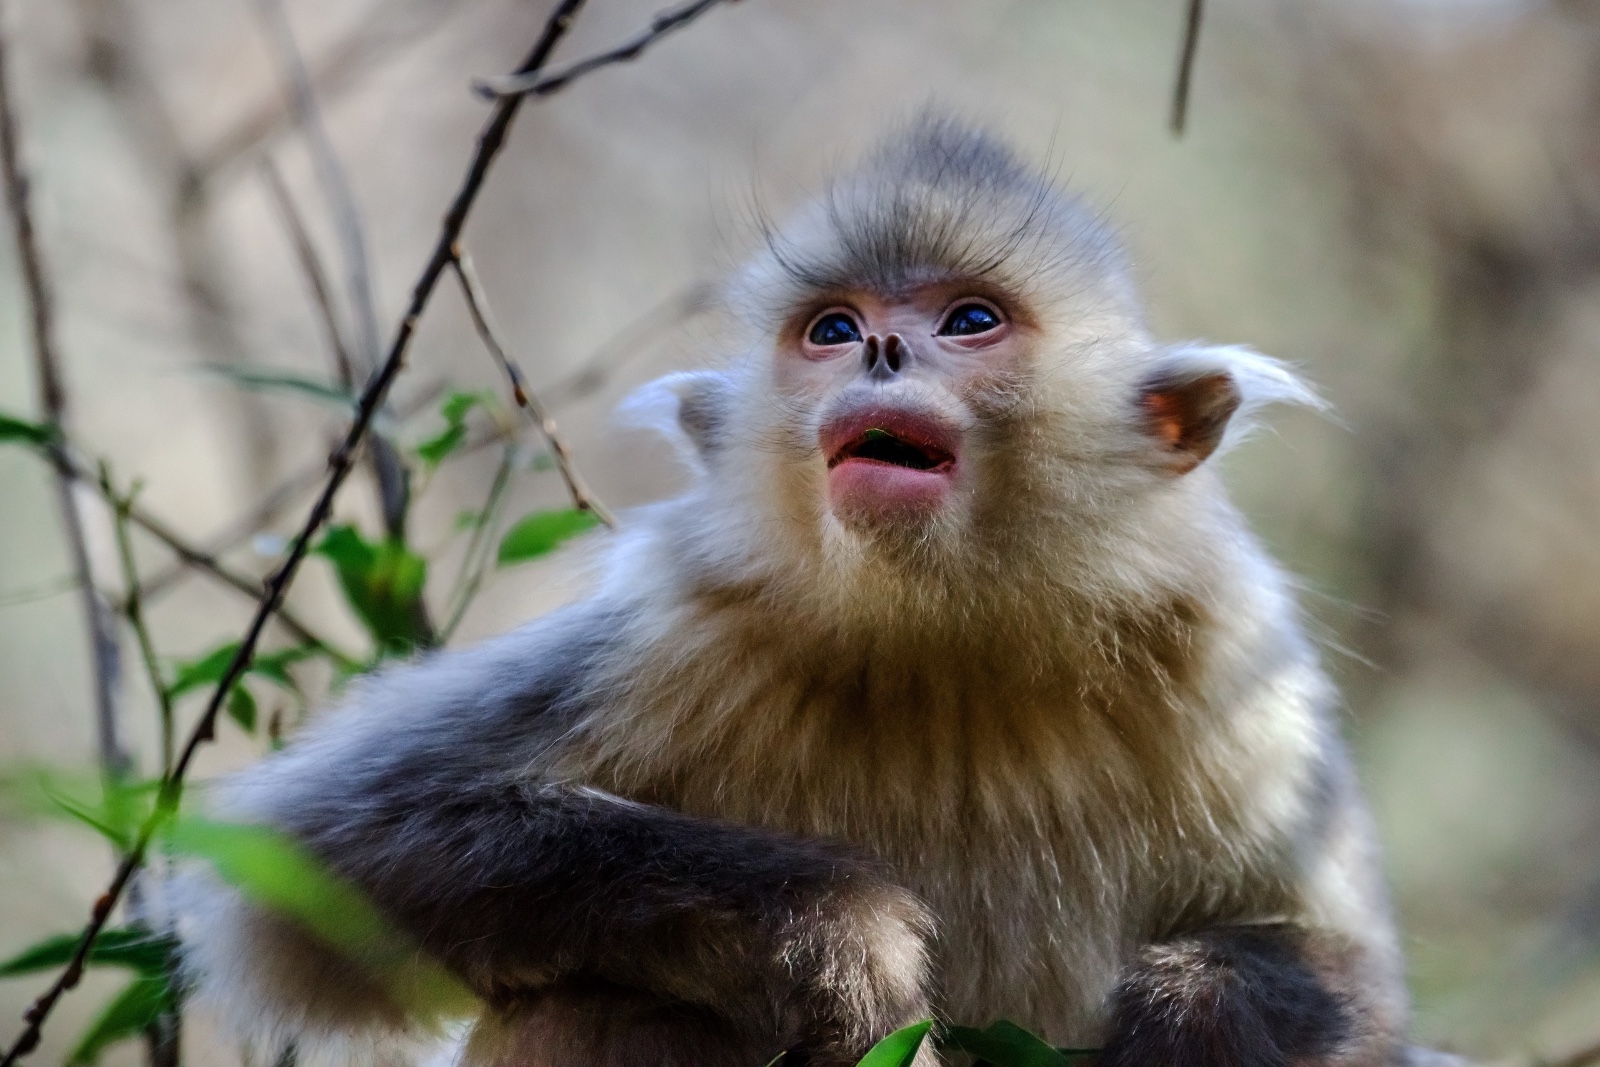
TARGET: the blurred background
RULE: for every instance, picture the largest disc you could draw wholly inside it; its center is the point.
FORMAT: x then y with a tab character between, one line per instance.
1400	196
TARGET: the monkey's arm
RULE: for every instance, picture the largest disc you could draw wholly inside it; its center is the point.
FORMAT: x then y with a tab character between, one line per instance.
426	795
1322	988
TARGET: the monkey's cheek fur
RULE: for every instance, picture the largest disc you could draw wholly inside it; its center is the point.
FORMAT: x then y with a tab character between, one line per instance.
871	491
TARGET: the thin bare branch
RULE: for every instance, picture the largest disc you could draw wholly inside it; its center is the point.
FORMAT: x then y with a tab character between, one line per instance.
490	141
1191	43
311	266
98	617
475	562
133	611
389	471
477	304
533	83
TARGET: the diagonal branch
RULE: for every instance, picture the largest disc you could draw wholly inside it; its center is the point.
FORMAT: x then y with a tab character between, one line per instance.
1191	44
389	471
477	304
490	141
311	267
53	403
533	83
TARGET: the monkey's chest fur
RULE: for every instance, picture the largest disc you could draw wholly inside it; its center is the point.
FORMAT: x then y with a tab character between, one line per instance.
1054	820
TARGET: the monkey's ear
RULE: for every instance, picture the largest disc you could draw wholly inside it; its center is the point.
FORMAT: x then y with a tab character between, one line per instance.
1203	399
689	409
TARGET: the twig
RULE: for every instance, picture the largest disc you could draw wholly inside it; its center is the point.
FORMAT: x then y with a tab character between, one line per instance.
53	402
627	342
490	140
477	304
475	561
532	83
195	557
264	511
1191	42
133	611
389	471
311	267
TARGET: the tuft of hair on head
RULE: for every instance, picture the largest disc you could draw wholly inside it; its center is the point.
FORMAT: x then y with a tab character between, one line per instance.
940	198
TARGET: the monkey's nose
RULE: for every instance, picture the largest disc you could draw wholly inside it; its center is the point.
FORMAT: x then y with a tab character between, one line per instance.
883	360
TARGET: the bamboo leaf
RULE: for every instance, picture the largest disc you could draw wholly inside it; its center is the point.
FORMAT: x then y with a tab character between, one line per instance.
455	409
242	708
1003	1044
24	432
542	532
145	952
129	1015
207	670
899	1049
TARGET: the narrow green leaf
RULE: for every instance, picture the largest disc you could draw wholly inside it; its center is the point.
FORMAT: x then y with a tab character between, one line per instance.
899	1048
278	874
542	532
455	409
242	708
1005	1044
265	379
129	1015
100	823
274	666
434	450
145	952
24	432
207	670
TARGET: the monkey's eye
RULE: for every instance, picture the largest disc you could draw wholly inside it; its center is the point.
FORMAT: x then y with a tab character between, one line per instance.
969	319
834	328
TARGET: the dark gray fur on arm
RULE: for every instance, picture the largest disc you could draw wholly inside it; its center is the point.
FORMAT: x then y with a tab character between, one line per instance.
425	794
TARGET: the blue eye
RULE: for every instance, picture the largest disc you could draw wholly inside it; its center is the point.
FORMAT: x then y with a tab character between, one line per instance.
969	319
834	328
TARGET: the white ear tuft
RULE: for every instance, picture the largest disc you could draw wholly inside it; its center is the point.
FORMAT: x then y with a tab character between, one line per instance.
1260	380
685	408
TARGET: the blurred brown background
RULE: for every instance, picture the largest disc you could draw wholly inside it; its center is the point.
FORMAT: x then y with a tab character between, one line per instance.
1401	196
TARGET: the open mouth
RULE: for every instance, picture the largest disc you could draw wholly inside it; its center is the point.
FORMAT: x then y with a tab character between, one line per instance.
878	445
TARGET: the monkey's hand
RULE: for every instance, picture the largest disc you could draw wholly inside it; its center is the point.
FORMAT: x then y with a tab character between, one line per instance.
1270	995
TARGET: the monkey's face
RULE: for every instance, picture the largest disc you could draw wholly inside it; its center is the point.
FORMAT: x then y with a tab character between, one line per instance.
888	382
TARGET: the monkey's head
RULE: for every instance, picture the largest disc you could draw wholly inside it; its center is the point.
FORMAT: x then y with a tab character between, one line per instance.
947	376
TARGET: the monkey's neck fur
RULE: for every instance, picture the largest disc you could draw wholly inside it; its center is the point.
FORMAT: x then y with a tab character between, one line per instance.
1113	748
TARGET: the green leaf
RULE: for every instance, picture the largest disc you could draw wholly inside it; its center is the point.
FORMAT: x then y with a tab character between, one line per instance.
278	874
100	822
264	379
242	708
455	409
899	1048
1003	1044
24	432
535	535
129	1015
207	670
383	583
274	666
145	952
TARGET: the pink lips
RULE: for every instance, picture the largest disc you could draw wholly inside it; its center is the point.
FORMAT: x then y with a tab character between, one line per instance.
885	462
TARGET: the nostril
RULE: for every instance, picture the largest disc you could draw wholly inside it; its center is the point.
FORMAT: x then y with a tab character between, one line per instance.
891	351
870	356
